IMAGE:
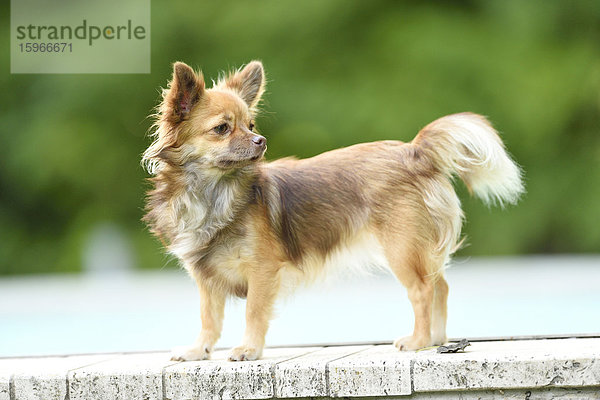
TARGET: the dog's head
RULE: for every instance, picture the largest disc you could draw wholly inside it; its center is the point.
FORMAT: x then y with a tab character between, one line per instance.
211	127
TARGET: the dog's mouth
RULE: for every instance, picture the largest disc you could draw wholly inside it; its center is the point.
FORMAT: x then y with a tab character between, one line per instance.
224	163
241	162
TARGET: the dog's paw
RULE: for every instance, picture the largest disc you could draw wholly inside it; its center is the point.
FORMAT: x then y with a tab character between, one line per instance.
245	353
190	353
409	343
438	340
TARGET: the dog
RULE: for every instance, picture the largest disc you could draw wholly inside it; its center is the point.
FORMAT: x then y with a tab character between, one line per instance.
245	227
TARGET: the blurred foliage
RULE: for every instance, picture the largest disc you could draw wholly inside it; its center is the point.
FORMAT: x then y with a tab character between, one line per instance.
340	72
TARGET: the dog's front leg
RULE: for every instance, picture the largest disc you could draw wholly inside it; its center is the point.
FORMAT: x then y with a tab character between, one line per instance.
263	286
212	308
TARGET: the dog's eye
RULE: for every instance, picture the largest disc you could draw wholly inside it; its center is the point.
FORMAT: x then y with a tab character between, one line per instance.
221	129
251	126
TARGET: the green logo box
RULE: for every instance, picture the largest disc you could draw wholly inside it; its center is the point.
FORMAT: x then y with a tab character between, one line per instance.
80	36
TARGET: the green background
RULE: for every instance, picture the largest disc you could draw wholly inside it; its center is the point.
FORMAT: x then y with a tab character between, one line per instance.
340	72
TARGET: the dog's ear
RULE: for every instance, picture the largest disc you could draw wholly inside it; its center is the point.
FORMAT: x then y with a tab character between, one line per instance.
249	83
185	90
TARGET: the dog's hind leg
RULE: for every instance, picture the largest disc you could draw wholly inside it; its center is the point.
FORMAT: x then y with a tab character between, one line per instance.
412	265
420	293
440	311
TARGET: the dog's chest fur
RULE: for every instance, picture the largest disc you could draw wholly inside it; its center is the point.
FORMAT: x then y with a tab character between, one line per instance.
196	219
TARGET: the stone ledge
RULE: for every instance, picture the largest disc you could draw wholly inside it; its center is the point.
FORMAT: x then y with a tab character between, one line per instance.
542	369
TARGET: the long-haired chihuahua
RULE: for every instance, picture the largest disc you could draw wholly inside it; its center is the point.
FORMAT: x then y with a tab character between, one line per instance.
245	227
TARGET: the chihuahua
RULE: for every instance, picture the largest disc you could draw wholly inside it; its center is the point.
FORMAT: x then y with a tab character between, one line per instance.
245	227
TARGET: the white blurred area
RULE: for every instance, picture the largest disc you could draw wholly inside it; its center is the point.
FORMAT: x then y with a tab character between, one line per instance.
107	249
126	310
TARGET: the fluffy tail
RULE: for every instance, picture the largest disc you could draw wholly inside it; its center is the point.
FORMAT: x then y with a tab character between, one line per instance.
466	144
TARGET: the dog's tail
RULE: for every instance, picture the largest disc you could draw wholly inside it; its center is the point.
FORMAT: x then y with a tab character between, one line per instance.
467	145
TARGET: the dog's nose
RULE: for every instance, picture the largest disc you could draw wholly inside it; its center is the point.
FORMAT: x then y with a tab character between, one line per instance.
259	140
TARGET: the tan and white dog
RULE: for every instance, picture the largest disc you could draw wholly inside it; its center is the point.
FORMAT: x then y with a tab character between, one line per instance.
249	228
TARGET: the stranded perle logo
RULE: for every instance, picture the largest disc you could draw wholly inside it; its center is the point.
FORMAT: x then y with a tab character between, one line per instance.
83	31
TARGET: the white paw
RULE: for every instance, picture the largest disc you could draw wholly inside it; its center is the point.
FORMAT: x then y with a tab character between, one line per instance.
245	353
190	353
438	340
409	343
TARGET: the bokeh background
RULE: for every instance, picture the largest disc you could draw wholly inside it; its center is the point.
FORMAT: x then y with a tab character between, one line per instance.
340	72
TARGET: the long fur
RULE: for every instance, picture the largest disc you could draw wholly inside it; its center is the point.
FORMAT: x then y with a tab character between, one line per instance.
466	144
245	227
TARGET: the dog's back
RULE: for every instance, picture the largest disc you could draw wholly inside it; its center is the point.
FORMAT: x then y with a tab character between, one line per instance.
400	192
